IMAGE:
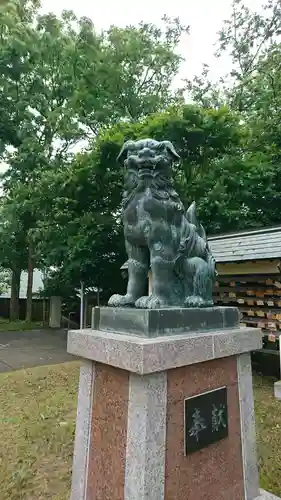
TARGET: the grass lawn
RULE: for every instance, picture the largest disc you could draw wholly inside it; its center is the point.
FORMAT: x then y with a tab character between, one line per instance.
268	421
37	431
9	326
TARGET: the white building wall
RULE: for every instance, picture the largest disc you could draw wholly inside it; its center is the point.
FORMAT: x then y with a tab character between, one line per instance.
37	284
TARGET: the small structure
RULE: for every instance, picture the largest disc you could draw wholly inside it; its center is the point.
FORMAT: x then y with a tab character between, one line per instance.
37	285
248	265
55	312
39	304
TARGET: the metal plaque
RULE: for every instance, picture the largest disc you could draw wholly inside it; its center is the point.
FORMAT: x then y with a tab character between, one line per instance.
205	419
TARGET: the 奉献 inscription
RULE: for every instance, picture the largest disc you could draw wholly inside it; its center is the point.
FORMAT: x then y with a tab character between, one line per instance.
206	419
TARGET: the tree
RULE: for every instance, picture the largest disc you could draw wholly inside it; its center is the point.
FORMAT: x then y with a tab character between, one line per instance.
131	76
15	31
64	81
238	193
13	253
247	34
246	185
202	91
68	206
247	37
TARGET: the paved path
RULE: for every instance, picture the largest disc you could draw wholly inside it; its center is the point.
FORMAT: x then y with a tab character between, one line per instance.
32	348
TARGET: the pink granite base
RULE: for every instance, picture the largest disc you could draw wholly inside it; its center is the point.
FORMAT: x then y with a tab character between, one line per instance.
215	472
107	453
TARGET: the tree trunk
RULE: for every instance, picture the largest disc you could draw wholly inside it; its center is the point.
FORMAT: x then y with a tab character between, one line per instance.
44	312
15	293
28	316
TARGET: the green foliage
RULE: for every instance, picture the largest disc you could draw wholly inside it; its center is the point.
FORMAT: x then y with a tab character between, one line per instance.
243	190
60	82
246	35
13	247
132	73
18	76
235	194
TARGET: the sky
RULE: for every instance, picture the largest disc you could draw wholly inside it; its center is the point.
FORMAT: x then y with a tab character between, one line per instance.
205	18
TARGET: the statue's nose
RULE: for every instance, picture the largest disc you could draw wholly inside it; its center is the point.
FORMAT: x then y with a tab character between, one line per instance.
145	152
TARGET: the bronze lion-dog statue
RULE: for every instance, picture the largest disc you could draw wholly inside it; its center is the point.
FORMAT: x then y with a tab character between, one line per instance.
161	234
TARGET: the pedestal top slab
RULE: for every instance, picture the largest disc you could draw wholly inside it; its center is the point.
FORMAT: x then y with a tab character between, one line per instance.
162	322
144	355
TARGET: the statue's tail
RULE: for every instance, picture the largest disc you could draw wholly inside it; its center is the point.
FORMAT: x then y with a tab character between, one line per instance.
195	240
193	237
211	264
191	216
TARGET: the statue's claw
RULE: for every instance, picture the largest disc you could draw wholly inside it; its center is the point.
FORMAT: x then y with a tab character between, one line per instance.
196	301
121	301
142	302
151	302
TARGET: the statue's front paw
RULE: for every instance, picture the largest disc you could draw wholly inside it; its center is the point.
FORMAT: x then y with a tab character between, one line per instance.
121	301
142	302
158	302
196	301
151	302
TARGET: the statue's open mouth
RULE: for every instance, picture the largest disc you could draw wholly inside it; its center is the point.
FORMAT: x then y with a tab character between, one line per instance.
146	172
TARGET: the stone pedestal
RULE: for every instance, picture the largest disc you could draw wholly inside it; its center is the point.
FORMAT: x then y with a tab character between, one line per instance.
130	431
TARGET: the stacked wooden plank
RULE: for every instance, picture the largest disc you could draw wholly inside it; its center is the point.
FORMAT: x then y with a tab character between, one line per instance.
258	297
249	265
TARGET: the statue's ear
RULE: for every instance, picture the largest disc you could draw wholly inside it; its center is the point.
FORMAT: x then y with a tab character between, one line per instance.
124	150
171	149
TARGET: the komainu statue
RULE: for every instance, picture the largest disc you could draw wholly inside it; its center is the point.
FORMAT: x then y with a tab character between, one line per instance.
161	234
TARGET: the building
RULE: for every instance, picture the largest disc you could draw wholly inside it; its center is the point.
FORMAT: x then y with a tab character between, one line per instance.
249	277
36	288
40	309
